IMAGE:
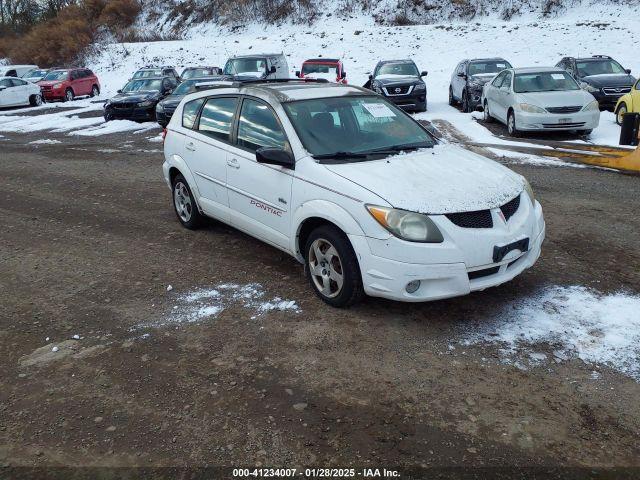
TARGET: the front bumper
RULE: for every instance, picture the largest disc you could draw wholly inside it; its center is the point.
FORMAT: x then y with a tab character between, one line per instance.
557	122
163	117
413	101
462	264
474	97
135	113
607	102
57	94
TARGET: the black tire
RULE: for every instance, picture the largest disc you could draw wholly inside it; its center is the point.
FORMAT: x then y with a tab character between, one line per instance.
512	128
69	96
33	100
586	133
189	216
351	290
95	91
486	114
108	116
452	101
620	112
465	102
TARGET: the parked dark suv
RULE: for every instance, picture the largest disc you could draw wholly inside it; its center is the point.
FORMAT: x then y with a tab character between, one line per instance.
199	72
166	107
156	72
138	99
401	82
601	76
469	78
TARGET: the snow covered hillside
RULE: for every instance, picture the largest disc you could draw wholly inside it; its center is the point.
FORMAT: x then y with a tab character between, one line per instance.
360	42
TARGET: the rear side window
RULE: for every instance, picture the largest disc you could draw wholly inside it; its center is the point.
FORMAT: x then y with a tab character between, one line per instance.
190	112
217	117
259	127
18	83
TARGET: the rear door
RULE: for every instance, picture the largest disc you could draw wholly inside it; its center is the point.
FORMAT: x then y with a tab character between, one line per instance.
492	92
8	96
206	150
259	194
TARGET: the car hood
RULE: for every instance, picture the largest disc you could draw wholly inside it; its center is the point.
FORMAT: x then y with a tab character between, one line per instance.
617	80
134	97
483	77
445	179
565	98
49	83
396	79
172	101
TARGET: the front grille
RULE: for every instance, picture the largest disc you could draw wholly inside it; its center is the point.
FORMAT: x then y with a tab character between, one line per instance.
563	125
510	208
564	109
398	90
616	90
483	273
123	106
478	219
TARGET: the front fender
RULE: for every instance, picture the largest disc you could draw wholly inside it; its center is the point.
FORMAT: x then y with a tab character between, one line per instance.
328	211
626	98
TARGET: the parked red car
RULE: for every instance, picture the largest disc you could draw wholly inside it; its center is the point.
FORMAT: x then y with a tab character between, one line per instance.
66	84
328	68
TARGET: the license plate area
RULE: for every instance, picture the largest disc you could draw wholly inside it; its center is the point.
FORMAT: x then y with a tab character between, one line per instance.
500	251
564	120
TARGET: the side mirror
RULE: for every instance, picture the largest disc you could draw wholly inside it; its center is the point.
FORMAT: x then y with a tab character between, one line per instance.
628	70
119	91
370	77
462	74
424	73
273	69
298	73
275	156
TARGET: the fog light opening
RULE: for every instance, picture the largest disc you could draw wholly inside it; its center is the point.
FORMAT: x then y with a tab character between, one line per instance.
413	286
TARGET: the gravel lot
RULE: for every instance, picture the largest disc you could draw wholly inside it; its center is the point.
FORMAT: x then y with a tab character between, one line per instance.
89	245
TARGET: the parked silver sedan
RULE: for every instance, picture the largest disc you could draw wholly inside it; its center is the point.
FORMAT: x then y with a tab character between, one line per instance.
539	99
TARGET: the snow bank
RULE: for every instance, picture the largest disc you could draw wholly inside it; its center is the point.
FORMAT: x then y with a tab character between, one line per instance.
572	322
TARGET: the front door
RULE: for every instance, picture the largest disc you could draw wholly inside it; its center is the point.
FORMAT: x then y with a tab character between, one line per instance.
207	148
259	194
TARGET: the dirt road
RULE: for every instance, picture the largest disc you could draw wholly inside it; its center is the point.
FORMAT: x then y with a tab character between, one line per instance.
89	245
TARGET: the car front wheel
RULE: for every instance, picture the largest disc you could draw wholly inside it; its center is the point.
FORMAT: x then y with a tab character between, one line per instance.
452	101
332	268
511	125
68	95
465	102
95	91
620	113
185	205
35	100
485	113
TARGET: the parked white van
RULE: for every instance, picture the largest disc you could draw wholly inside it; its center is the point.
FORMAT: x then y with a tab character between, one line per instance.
15	70
264	66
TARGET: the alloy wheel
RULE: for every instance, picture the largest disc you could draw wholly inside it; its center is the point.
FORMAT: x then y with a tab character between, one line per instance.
325	267
69	95
485	112
621	113
95	92
38	100
511	124
182	201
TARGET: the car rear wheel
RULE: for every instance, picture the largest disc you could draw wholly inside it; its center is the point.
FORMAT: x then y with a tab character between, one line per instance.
35	100
68	95
485	113
511	125
332	268
185	205
452	101
95	91
620	113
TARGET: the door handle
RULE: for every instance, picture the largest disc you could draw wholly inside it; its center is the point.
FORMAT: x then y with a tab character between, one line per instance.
233	163
191	147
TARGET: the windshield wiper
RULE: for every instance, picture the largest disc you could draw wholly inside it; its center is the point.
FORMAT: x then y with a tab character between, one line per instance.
340	155
402	148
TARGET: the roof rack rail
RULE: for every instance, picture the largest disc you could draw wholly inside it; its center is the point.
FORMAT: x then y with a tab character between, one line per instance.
237	82
601	56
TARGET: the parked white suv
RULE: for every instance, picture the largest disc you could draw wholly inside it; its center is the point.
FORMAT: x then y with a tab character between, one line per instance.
351	186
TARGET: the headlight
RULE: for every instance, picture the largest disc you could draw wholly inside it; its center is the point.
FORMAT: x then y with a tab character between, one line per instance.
589	88
57	85
529	190
146	103
525	107
420	86
410	226
591	106
159	108
476	85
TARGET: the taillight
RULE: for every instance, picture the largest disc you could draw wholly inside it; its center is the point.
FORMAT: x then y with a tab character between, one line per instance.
164	134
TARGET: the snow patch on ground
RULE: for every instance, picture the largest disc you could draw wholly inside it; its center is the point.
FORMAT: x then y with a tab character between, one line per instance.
45	141
208	303
114	126
575	322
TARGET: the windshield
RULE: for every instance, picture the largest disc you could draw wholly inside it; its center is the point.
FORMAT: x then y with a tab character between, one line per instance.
311	68
147	73
246	66
143	85
599	67
347	127
196	72
544	82
35	74
56	75
486	67
401	69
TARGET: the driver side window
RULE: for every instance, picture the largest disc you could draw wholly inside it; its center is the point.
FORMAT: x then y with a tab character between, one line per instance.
259	127
497	82
506	81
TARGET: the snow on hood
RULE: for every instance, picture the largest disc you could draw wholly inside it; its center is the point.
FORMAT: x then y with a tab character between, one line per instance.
445	179
396	77
565	98
483	77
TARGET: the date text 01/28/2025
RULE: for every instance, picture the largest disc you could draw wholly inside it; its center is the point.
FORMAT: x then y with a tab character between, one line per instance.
315	473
